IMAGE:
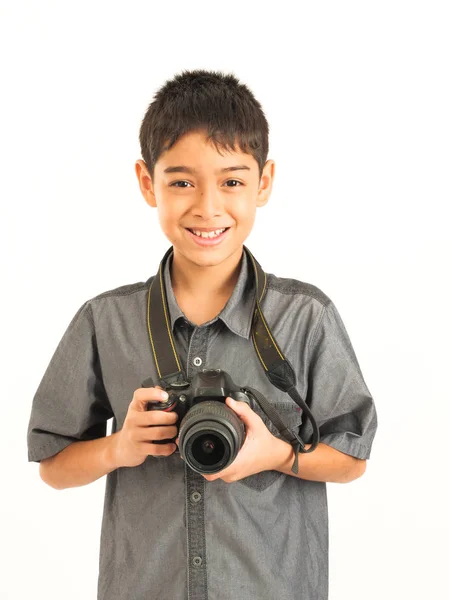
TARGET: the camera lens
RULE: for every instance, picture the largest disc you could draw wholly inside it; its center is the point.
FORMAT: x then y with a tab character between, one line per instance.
210	436
208	449
208	446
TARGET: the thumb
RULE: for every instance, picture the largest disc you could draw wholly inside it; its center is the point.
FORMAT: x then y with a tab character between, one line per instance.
240	408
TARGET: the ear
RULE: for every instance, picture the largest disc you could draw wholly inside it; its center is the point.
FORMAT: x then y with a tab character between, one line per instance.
145	182
265	185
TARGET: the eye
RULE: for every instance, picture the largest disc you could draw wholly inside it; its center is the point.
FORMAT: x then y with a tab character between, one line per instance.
174	184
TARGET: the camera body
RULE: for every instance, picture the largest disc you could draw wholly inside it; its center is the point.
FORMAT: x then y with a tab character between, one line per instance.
210	434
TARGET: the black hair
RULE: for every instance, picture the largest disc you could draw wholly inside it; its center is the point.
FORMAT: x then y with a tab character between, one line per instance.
209	101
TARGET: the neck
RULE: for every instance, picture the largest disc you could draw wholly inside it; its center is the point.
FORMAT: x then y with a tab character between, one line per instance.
205	280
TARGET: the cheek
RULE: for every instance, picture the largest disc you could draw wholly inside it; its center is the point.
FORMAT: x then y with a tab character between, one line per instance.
245	215
243	206
167	216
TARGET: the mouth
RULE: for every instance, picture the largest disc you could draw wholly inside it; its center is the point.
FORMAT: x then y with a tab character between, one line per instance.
214	240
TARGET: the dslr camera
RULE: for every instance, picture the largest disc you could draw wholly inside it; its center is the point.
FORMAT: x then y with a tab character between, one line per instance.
210	434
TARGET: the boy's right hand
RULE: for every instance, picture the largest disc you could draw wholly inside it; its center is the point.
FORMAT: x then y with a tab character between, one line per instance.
133	443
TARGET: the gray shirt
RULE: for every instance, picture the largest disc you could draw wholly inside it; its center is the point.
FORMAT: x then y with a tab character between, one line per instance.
167	533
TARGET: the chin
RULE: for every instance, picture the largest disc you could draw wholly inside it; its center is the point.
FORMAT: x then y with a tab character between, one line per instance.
206	257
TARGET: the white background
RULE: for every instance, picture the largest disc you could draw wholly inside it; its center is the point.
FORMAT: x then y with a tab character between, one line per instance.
357	97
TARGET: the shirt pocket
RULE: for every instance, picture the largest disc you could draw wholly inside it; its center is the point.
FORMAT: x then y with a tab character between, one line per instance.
291	415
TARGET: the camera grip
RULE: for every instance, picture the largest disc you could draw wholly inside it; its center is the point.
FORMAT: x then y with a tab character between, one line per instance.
167	406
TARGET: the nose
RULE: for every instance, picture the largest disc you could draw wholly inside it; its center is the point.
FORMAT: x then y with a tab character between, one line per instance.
208	204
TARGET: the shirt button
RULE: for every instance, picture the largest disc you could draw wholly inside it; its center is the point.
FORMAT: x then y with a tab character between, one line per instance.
195	496
197	361
197	561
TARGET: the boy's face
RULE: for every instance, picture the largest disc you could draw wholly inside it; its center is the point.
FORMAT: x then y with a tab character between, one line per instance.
207	198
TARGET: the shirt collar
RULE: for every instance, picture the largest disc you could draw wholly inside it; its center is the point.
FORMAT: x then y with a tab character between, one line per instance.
237	314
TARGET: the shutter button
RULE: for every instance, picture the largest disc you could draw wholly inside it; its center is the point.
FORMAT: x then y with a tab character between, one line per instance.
197	361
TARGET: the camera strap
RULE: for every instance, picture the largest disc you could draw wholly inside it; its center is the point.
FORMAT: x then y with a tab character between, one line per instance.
276	366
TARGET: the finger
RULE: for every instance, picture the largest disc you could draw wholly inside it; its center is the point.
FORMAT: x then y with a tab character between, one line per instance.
156	433
155	417
242	409
142	396
159	449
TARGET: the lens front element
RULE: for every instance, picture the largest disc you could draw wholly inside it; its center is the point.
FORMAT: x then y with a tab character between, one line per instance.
210	436
208	449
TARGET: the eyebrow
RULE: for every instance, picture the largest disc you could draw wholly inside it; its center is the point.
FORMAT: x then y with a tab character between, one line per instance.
184	169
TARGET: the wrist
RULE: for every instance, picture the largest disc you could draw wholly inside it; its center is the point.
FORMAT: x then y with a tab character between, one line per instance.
283	456
111	455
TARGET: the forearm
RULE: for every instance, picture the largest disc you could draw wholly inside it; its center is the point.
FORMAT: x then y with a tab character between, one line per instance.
323	464
80	463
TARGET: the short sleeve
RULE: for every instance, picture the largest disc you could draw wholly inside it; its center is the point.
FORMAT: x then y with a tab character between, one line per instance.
70	403
337	393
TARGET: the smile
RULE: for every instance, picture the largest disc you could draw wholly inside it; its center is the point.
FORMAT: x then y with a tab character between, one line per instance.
209	238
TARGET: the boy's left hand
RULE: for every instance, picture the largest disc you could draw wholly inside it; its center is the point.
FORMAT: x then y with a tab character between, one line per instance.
258	452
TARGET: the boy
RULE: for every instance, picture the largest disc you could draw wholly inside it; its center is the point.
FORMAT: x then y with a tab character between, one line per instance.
255	529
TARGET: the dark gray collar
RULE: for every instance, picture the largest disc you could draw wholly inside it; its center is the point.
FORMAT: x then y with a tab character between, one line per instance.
237	314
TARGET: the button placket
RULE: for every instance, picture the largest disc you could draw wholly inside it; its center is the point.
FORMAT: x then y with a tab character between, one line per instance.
195	486
196	535
197	349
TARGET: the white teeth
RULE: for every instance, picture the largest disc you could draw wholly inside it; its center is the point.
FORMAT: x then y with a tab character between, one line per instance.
208	234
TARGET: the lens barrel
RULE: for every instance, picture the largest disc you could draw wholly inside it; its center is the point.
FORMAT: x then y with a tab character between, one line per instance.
210	436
